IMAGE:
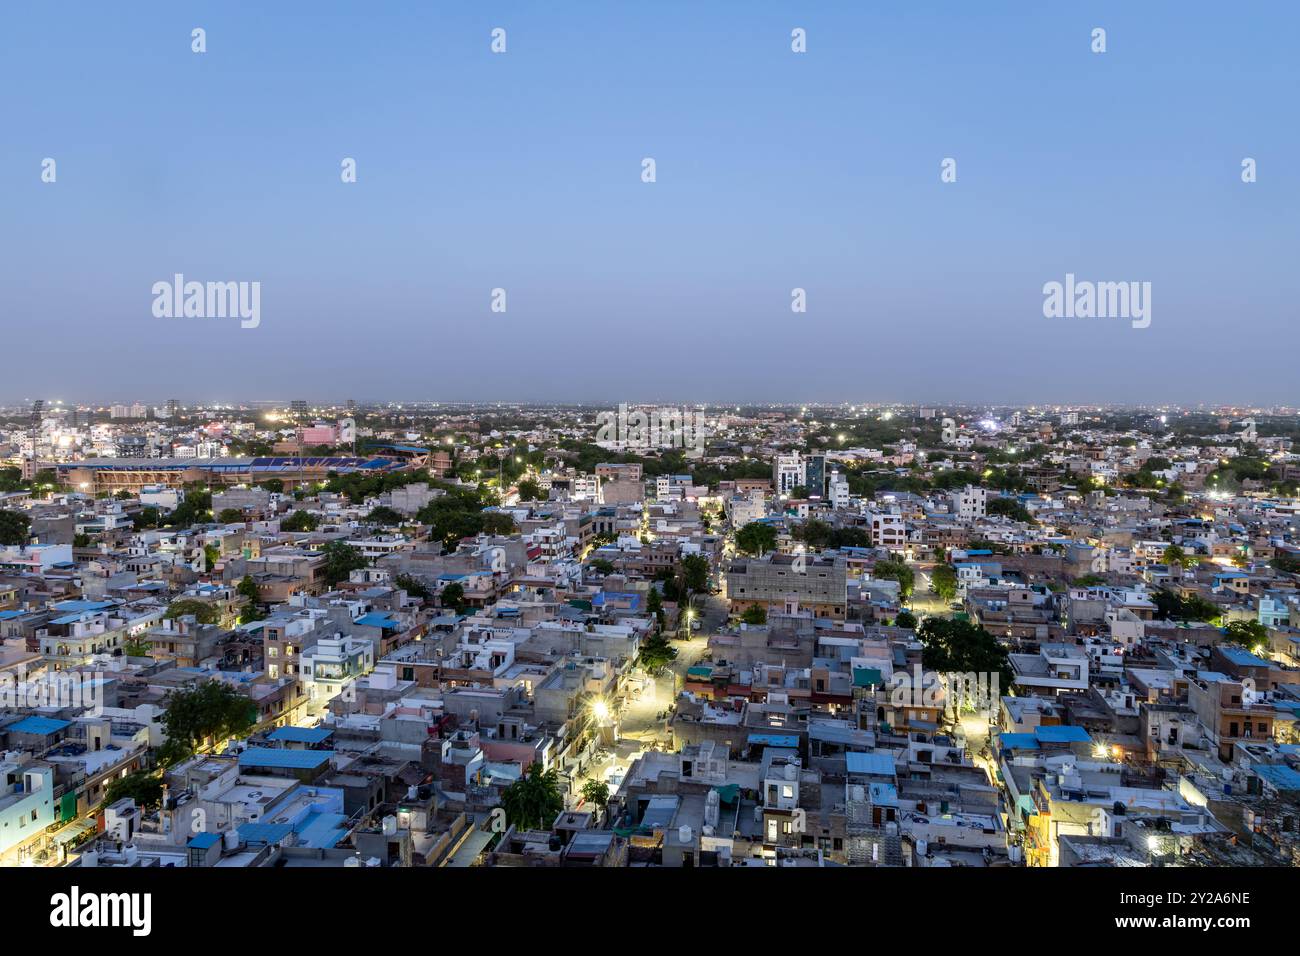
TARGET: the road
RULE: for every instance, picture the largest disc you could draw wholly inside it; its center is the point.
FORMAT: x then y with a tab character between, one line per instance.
642	723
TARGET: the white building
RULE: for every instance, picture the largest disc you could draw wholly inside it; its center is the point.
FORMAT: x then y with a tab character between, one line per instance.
839	490
970	503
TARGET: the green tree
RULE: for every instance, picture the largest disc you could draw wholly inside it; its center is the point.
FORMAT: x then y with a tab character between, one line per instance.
1251	635
1010	508
498	522
962	647
596	792
1170	607
414	587
204	612
230	516
453	596
602	565
14	528
896	571
756	538
143	787
299	521
385	516
341	559
252	608
906	619
943	581
529	490
695	572
211	710
656	653
136	647
534	800
754	614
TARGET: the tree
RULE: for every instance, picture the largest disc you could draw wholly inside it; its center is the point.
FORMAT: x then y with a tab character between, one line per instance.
230	516
656	653
204	612
943	581
961	647
146	517
534	800
414	587
602	565
136	647
1170	607
14	528
211	710
529	490
1249	634
1286	563
299	521
695	572
596	792
1176	555
756	538
252	609
754	614
143	787
906	619
453	596
498	522
896	571
383	515
341	559
1010	508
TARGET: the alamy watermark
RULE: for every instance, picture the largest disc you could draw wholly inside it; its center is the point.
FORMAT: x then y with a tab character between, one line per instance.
65	689
964	691
208	300
1098	300
658	428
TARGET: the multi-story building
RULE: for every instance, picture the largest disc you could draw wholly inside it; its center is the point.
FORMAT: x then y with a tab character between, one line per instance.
788	584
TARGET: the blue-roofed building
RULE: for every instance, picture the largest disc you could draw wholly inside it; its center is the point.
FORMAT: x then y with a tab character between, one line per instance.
378	619
1056	738
36	733
790	741
305	765
1279	777
298	738
869	764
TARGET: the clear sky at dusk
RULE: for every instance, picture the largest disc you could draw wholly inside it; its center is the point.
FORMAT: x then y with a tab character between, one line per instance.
775	170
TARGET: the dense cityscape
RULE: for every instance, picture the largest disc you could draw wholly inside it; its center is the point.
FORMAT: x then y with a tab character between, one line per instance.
285	634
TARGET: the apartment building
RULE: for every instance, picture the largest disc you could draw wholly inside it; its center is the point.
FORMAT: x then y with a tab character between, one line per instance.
789	583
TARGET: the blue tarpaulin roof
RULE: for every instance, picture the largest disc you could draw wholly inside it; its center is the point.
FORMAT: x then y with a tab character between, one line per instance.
302	735
38	725
375	619
284	759
880	765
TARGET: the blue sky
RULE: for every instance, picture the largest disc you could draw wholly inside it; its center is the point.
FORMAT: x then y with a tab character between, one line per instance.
775	171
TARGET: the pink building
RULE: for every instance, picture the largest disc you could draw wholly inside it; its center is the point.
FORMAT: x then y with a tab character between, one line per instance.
318	435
